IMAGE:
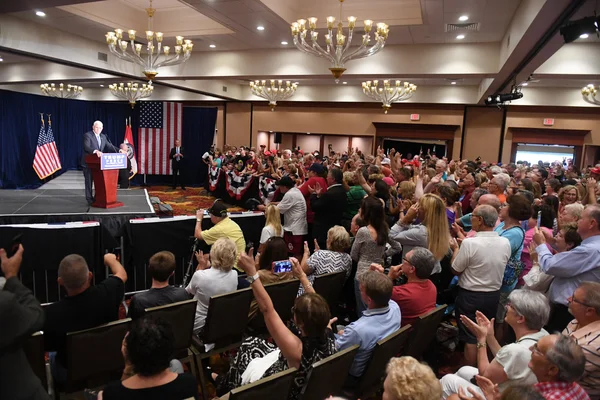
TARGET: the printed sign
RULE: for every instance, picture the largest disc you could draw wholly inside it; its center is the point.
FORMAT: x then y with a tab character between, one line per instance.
113	161
415	117
548	121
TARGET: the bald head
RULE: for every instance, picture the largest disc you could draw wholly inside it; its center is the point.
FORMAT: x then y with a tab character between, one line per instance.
489	200
73	272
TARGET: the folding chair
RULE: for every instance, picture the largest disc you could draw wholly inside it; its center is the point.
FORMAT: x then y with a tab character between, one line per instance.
327	376
330	286
424	331
283	295
33	347
276	386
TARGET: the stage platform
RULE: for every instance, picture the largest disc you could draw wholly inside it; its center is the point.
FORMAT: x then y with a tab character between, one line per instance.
63	200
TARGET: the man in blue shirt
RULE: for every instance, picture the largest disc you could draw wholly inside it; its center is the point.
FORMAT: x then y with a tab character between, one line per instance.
571	268
381	319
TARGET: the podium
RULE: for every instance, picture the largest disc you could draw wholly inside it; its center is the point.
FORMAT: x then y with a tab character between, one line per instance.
105	172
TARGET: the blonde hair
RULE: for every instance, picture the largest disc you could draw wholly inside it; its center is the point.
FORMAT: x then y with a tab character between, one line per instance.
223	254
407	190
338	238
436	222
273	218
412	380
561	192
350	178
574	209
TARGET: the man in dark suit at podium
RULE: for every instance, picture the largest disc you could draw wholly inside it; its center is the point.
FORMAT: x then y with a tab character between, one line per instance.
177	164
94	142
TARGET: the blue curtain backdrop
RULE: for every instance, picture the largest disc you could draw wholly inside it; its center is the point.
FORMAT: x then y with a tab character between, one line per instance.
20	127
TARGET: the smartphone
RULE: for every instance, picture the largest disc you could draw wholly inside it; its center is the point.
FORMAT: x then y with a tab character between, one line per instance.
14	245
281	266
249	246
539	219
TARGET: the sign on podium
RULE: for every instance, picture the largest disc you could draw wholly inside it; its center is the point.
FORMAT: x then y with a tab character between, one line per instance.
105	170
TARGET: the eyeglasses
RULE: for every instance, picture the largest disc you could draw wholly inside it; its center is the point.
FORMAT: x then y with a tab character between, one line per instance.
406	260
574	300
535	349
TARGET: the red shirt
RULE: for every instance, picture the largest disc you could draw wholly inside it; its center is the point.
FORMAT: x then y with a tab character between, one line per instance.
561	391
310	215
386	171
414	299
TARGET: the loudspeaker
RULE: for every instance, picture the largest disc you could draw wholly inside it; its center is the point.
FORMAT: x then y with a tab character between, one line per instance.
278	137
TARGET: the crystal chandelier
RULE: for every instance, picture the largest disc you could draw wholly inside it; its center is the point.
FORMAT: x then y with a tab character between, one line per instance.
337	49
131	91
388	93
153	59
273	92
589	94
71	91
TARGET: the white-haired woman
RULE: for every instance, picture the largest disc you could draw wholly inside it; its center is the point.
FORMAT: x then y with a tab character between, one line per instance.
526	313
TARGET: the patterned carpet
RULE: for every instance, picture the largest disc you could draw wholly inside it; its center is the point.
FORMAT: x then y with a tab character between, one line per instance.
185	202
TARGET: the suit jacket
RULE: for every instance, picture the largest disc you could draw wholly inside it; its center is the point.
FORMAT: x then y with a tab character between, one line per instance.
90	144
173	152
21	315
329	208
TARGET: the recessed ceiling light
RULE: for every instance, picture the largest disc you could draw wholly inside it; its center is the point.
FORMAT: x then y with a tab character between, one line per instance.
453	83
212	46
284	43
463	18
40	13
525	84
1	59
345	83
101	85
459	37
584	36
260	28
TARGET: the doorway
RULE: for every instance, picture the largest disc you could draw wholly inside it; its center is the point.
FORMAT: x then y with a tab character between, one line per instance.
410	148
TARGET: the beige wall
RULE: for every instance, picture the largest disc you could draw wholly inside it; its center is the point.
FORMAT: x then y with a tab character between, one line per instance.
364	144
482	133
238	120
338	143
308	142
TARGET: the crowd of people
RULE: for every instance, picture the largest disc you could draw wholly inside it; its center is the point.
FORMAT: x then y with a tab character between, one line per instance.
514	249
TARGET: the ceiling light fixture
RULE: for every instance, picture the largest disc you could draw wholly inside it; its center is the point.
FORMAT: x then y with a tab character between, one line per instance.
338	46
584	36
260	28
576	29
212	46
463	18
525	84
152	60
460	37
40	13
501	99
344	83
388	93
453	83
1	59
284	43
101	85
589	93
274	91
131	91
68	92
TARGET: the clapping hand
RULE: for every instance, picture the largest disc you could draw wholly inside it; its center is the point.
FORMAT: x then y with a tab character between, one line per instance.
297	268
317	248
436	179
10	266
489	389
246	262
376	267
412	213
317	189
483	321
480	331
453	244
199	214
202	259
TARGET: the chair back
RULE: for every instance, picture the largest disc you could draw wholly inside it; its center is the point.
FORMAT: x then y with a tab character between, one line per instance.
33	347
424	331
384	350
283	295
330	286
94	355
181	317
227	317
327	376
276	386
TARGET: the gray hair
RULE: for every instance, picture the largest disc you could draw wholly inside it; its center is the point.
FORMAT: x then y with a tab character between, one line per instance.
495	170
74	271
424	262
490	200
568	357
477	193
575	209
594	213
533	306
502	180
488	215
97	123
592	295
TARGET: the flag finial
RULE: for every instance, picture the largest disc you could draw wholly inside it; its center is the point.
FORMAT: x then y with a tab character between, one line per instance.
42	117
49	120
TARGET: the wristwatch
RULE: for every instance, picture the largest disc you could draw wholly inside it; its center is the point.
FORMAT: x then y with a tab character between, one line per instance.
251	279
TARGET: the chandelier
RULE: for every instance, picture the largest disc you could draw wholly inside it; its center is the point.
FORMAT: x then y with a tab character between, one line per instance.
337	49
388	93
589	93
70	92
273	92
131	91
153	59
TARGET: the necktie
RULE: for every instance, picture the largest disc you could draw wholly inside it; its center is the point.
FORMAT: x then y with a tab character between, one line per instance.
177	152
99	142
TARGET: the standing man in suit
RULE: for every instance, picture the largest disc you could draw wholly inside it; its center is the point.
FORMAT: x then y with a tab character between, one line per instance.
176	157
94	142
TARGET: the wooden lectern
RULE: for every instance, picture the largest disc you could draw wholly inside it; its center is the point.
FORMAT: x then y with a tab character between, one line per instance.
105	182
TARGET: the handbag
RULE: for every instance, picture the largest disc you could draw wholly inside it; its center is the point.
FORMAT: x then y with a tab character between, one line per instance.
515	266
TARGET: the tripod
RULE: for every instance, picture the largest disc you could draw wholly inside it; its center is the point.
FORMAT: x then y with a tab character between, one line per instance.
190	267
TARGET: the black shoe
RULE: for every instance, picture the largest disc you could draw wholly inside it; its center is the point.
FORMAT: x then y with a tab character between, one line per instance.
183	188
174	187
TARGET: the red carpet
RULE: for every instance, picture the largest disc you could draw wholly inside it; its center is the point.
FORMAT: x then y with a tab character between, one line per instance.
185	202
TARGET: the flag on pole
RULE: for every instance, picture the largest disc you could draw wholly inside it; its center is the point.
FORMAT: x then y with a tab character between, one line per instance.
46	160
160	126
130	150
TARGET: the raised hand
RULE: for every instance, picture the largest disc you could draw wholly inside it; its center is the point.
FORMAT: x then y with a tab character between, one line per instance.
296	268
317	245
246	262
10	266
395	272
202	259
484	322
480	332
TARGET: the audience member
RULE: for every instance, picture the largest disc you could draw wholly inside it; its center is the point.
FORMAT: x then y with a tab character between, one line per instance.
526	313
315	179
328	204
85	306
224	227
147	350
382	318
293	208
408	379
272	226
21	315
584	304
570	213
468	186
213	278
498	185
161	268
354	196
480	276
573	267
547	222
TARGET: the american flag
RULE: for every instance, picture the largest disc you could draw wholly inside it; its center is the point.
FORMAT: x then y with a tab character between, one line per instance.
160	125
46	160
